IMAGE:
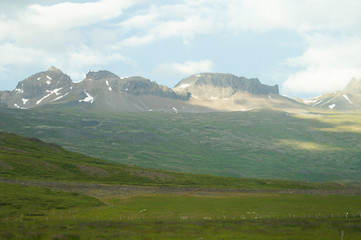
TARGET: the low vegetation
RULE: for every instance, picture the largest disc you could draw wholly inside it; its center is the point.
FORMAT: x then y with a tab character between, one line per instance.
177	216
268	144
32	159
89	198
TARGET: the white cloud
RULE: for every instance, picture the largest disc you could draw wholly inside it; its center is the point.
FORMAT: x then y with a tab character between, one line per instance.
327	65
76	34
35	35
187	68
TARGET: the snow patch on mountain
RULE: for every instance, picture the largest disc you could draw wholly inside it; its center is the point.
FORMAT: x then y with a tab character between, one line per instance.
88	98
24	100
49	94
332	106
19	90
185	85
317	103
346	97
48	77
59	97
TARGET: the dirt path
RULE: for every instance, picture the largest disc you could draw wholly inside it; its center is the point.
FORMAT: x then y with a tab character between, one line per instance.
108	190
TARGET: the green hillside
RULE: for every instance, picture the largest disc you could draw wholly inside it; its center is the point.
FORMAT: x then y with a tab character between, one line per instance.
31	159
162	205
257	144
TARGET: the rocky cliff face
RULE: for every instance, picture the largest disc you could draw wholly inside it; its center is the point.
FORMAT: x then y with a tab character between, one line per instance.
220	85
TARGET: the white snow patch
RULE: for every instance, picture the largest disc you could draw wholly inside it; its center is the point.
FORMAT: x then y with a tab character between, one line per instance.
110	89
332	106
124	77
19	90
198	75
185	85
150	110
38	78
59	97
50	93
107	83
88	98
212	98
15	105
24	100
346	97
318	103
48	77
270	97
309	100
126	89
71	88
175	110
48	82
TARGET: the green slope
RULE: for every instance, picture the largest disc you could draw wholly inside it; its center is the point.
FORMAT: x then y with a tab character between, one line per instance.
260	144
31	159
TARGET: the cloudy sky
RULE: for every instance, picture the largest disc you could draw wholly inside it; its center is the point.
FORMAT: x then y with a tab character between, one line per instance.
307	47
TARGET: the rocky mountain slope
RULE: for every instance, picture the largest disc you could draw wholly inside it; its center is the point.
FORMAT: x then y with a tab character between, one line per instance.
347	100
227	92
198	93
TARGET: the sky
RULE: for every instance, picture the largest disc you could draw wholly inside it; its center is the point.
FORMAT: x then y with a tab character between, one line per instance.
307	47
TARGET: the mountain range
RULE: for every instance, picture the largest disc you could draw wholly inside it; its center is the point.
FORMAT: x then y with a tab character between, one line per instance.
204	92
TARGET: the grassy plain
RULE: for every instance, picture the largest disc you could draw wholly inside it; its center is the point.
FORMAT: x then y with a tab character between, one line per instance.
177	216
320	146
97	201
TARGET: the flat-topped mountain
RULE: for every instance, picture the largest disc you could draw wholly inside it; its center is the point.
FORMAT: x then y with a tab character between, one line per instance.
227	92
102	89
347	100
221	85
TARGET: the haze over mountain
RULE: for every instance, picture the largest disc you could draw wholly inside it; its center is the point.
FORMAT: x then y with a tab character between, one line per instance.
348	99
102	89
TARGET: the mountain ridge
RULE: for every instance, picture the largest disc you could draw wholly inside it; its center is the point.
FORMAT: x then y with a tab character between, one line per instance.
202	92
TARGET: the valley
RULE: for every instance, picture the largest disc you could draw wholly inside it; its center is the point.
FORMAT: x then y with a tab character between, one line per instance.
320	146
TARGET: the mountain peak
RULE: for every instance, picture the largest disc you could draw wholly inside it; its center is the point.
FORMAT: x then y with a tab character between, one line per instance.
354	85
101	74
54	69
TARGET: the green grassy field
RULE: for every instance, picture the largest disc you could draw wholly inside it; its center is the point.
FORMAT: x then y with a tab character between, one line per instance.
259	144
45	214
107	200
